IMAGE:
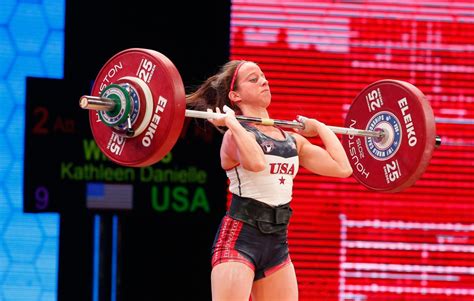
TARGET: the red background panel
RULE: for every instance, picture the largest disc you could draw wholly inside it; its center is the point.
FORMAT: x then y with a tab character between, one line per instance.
348	243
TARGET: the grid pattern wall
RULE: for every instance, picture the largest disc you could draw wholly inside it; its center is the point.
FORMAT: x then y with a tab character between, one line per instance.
348	243
31	44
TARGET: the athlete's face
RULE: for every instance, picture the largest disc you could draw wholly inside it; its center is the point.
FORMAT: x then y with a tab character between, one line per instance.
253	87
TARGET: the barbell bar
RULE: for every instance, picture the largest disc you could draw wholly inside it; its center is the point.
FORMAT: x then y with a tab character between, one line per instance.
107	105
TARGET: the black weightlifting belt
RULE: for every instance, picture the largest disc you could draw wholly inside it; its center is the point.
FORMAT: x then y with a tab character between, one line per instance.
266	218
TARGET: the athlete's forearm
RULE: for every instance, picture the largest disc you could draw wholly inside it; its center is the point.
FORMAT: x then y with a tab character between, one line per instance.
250	154
331	142
333	146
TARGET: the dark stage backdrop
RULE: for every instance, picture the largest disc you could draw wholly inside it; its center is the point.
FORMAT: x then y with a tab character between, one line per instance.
162	246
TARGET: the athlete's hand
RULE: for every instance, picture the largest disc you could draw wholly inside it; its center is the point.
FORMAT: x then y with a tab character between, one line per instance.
311	126
229	116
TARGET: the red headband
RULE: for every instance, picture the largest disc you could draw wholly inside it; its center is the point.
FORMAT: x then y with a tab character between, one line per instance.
235	75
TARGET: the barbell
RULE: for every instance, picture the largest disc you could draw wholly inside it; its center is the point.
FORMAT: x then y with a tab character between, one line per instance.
138	106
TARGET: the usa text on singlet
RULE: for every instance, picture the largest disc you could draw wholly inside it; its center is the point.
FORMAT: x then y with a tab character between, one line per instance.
273	185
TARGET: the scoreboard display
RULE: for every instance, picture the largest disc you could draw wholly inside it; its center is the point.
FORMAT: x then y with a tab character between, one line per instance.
65	170
347	242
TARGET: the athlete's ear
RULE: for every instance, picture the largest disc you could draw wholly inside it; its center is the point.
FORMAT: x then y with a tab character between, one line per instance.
234	96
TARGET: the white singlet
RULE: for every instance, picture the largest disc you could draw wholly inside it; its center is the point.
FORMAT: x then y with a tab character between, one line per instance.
273	185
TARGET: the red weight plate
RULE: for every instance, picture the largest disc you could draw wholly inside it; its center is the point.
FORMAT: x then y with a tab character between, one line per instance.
161	77
396	161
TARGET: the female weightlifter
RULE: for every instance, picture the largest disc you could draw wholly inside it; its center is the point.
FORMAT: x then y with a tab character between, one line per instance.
250	255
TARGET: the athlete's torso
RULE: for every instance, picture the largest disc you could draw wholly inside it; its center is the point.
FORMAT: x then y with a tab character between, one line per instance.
273	185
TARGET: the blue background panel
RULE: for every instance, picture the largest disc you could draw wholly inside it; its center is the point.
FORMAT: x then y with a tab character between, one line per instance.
31	44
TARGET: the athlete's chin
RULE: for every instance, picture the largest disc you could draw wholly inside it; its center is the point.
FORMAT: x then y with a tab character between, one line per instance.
267	100
267	96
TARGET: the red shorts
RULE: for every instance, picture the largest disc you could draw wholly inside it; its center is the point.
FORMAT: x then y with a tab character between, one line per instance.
237	241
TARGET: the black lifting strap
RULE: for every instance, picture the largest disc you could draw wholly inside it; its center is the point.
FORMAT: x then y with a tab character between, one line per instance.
258	214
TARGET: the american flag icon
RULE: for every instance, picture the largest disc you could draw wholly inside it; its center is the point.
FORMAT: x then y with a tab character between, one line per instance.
109	196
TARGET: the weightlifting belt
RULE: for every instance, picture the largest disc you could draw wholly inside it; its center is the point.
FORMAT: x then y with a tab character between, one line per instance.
266	218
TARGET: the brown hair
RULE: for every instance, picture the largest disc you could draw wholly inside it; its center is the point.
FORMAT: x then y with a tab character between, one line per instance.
214	92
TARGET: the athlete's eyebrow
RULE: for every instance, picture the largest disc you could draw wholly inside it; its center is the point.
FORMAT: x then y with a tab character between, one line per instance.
254	73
